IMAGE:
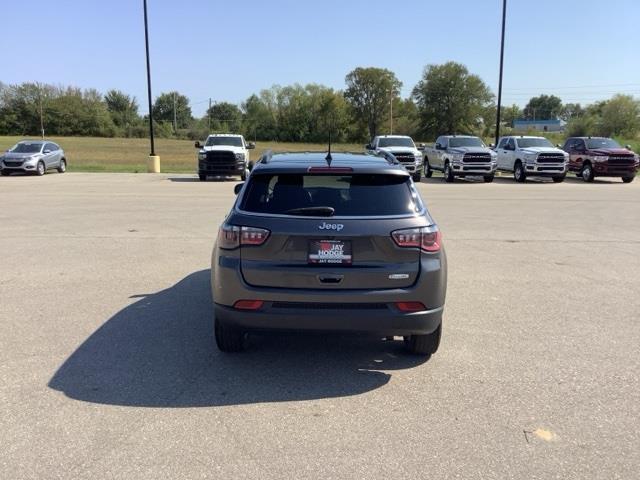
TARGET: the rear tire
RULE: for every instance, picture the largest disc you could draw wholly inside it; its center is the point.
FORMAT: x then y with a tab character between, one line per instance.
448	173
587	172
519	174
428	173
628	179
488	178
417	177
63	166
228	339
424	344
202	177
559	178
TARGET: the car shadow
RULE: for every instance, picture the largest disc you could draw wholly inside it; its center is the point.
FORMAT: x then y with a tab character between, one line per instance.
160	352
196	179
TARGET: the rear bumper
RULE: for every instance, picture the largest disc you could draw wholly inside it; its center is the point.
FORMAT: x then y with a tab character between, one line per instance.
385	321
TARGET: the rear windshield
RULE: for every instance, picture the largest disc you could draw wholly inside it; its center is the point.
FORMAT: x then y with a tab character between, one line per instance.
316	195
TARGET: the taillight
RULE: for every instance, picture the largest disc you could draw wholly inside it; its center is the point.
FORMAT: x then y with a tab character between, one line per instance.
429	239
408	307
253	236
232	236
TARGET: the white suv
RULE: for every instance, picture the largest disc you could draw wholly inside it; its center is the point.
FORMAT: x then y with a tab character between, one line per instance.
531	156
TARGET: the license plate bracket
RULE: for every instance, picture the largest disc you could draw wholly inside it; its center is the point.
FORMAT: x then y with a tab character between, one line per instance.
330	252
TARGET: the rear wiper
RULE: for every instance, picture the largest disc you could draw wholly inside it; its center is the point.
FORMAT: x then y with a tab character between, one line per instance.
312	211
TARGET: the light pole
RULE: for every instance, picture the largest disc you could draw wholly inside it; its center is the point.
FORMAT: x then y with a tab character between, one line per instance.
504	15
153	164
391	112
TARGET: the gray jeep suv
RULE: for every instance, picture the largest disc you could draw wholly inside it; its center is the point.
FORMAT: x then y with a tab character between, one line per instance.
338	242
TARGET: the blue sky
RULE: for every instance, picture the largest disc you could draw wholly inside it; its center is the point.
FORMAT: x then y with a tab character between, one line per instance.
577	49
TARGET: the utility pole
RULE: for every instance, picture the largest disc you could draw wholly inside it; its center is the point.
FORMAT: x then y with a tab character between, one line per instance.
209	116
504	16
153	165
391	113
175	118
41	112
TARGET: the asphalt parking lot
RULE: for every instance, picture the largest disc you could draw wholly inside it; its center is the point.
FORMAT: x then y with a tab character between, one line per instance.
108	367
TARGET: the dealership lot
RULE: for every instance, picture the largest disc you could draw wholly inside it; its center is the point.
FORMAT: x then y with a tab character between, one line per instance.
108	367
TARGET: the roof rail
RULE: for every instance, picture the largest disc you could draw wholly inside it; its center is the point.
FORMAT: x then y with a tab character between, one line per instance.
388	156
266	156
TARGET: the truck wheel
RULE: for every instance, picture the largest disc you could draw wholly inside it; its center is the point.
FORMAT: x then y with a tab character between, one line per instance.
519	175
448	173
228	339
559	178
428	173
587	172
424	344
488	178
417	177
245	174
628	179
202	177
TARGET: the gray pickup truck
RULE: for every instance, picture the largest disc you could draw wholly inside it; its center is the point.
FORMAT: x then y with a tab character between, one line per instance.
459	156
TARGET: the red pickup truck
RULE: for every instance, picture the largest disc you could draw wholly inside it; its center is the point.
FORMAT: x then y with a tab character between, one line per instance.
591	157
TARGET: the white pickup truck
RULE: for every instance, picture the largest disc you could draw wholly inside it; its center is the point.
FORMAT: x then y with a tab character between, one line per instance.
531	156
459	156
403	148
223	154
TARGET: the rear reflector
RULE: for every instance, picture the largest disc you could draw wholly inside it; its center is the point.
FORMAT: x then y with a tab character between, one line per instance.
330	170
248	304
410	306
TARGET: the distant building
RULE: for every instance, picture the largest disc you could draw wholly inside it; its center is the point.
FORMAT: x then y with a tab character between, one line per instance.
539	125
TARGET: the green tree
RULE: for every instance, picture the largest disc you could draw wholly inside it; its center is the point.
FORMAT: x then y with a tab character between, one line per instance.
225	116
510	114
369	92
620	116
571	110
166	103
123	108
543	107
451	100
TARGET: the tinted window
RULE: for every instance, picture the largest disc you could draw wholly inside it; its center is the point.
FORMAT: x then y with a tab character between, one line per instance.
595	143
50	146
511	144
230	141
348	195
534	142
502	143
27	147
465	142
396	142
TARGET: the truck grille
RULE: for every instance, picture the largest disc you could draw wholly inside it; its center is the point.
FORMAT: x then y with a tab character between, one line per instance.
622	160
405	157
219	161
476	158
551	158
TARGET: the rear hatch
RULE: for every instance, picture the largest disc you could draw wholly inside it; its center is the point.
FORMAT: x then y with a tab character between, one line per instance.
330	231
